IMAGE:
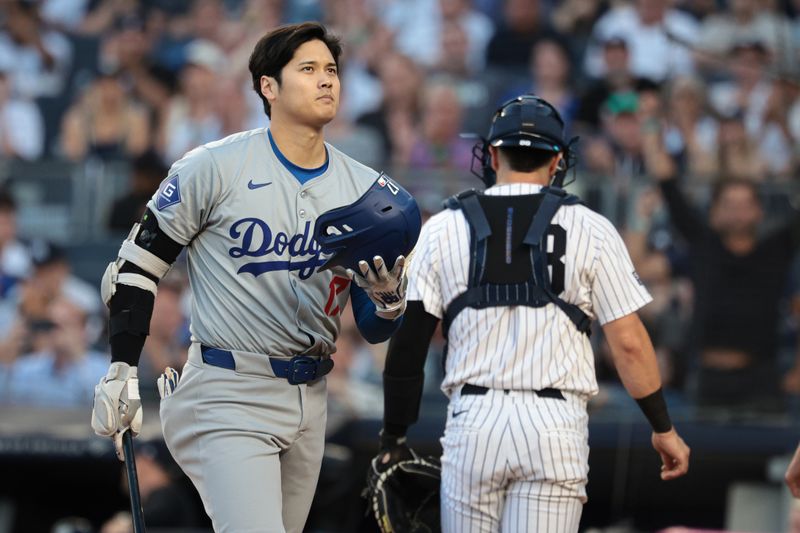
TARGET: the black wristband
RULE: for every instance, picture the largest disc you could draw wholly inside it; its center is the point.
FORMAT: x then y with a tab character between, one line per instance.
390	440
655	409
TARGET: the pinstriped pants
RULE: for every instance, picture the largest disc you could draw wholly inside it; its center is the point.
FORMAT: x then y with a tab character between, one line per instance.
514	462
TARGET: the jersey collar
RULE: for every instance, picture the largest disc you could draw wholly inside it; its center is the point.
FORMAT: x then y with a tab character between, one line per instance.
513	189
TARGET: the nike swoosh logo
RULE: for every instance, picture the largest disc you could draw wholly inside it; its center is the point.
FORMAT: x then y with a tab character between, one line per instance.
456	413
253	186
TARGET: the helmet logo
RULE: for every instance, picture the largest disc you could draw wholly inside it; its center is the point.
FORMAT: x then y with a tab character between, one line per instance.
524	142
383	182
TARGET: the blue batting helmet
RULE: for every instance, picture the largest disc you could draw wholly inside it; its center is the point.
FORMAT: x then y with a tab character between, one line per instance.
385	221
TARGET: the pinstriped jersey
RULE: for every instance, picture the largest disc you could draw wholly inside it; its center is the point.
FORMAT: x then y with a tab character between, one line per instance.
520	347
253	264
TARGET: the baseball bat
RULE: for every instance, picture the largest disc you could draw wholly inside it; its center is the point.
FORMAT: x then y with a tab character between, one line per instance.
133	483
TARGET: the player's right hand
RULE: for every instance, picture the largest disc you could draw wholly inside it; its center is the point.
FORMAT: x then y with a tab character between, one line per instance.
393	450
117	406
674	454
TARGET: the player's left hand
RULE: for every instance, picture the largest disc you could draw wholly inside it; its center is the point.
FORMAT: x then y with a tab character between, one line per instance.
674	454
386	288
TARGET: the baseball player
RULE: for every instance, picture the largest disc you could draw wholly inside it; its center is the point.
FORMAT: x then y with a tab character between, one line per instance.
516	274
246	420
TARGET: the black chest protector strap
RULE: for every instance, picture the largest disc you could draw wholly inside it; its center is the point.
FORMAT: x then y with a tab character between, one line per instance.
532	292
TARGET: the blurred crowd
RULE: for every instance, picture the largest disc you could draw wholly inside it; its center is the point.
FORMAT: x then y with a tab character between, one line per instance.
688	113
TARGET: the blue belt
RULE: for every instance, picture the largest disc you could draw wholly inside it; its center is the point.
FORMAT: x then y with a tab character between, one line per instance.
299	369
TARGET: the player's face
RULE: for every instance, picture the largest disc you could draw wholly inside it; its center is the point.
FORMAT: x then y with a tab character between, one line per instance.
736	211
309	88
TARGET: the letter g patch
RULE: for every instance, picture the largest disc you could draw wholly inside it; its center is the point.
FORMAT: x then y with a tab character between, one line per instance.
169	193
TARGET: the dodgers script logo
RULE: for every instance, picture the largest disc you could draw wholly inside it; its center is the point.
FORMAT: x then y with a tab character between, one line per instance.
257	240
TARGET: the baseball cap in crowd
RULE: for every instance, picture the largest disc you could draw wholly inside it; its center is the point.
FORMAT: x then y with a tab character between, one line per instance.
204	53
622	103
753	43
44	253
614	41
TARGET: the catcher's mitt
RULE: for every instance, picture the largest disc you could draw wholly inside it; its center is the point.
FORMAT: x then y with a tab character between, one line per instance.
405	496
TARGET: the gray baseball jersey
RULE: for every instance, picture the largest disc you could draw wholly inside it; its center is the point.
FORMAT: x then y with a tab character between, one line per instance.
252	443
248	225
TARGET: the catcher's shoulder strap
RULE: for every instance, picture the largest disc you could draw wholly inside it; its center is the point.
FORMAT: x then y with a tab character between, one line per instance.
487	284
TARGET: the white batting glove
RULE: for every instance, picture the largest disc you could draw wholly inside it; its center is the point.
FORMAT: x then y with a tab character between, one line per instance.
387	289
167	382
117	405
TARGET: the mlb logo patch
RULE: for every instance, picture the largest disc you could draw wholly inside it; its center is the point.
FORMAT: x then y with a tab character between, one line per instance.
169	193
384	182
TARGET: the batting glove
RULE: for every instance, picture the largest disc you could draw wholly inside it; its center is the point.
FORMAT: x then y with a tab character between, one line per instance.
387	289
117	405
167	382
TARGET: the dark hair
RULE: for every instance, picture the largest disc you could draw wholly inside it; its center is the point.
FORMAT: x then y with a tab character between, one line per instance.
274	51
722	185
522	159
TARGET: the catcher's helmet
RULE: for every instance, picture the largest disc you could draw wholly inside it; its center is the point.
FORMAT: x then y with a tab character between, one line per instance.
526	121
385	221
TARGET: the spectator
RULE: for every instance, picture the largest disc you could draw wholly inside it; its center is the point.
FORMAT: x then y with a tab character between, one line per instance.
105	123
617	157
21	125
524	23
752	91
395	120
550	78
66	15
147	171
739	278
415	27
737	154
209	22
37	60
657	38
616	77
576	18
191	117
15	258
52	279
131	51
167	343
477	27
745	21
64	374
438	144
472	87
692	132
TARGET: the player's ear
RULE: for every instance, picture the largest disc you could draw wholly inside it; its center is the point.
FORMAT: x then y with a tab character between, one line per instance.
269	88
494	158
557	163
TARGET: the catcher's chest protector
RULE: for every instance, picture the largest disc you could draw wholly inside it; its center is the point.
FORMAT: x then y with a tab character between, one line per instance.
508	253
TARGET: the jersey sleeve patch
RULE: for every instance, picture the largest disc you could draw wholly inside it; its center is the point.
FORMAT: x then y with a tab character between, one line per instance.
169	193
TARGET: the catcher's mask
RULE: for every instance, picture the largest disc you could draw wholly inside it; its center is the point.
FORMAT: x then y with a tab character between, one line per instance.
526	121
385	221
